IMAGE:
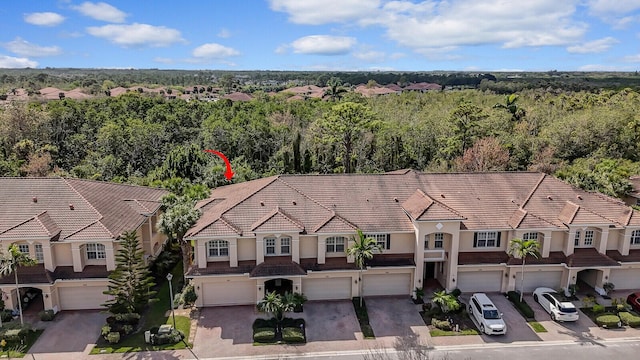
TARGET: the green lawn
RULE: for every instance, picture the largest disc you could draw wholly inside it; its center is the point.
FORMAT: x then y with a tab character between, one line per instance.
537	327
438	332
154	317
17	351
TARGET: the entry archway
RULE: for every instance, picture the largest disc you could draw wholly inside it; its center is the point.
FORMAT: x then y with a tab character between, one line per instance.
280	286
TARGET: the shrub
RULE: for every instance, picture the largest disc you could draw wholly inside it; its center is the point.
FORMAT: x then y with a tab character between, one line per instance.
630	319
441	324
292	335
523	307
456	292
127	329
113	337
16	335
6	315
426	307
189	295
264	335
597	309
128	318
175	336
588	301
264	323
608	321
106	329
46	315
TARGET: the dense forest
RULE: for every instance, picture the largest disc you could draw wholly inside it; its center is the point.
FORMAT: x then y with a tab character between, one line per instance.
589	137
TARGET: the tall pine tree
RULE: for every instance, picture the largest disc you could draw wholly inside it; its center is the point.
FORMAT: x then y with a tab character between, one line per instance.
131	283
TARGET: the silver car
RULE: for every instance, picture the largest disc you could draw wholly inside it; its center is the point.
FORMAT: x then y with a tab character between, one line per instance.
487	316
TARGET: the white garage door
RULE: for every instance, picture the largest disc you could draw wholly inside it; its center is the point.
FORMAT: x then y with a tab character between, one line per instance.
534	279
327	288
480	281
386	284
82	297
229	293
625	279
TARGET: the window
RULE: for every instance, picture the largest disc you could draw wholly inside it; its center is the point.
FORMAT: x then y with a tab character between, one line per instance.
335	244
285	246
588	237
439	240
270	246
218	248
96	251
39	253
381	239
530	236
635	237
486	239
24	248
576	239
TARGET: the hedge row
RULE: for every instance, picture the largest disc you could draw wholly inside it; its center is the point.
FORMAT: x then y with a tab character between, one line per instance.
523	307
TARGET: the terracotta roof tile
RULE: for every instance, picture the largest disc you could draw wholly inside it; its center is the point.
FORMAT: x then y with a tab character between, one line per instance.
89	272
38	226
36	274
335	224
555	257
517	217
277	220
277	266
333	263
380	260
220	227
417	204
589	257
222	267
634	255
482	257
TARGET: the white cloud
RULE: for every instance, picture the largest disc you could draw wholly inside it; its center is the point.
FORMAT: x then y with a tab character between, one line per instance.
609	7
24	48
224	33
137	35
214	51
596	46
323	45
101	11
9	62
600	67
370	56
44	19
632	58
316	12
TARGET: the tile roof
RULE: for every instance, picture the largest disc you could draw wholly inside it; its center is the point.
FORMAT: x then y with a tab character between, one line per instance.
634	255
388	202
36	274
73	208
277	266
589	257
482	257
555	257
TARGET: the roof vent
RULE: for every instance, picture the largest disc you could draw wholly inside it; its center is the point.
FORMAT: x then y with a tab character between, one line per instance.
34	199
442	196
261	203
70	206
549	197
395	199
294	202
579	197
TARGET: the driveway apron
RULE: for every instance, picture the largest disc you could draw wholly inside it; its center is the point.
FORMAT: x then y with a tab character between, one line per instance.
70	332
396	317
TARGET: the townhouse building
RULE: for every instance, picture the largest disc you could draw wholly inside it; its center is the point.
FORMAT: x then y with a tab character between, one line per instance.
71	227
290	232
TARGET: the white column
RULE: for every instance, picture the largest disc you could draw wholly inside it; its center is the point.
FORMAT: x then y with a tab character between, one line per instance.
110	255
201	253
259	250
546	243
350	259
625	243
295	248
76	256
568	245
604	237
322	249
418	258
453	262
48	257
233	252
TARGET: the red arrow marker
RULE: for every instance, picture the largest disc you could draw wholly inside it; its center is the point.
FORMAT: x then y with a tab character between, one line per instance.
228	173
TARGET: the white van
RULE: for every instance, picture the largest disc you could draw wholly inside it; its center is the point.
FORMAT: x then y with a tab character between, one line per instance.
486	315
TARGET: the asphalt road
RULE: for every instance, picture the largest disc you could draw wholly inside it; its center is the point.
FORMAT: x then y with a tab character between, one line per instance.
624	349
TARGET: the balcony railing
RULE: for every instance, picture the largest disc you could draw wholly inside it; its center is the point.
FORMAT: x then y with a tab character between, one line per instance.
434	255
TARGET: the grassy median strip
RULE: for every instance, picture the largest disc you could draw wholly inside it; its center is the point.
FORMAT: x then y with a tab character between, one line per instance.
363	318
537	327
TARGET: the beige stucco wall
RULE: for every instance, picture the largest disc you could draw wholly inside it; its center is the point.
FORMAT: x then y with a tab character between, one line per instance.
558	240
246	249
308	247
401	244
62	254
614	239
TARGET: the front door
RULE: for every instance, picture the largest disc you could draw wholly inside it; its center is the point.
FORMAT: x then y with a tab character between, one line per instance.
429	271
280	286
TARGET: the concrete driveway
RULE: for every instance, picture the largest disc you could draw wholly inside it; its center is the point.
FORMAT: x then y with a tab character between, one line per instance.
70	332
517	327
395	316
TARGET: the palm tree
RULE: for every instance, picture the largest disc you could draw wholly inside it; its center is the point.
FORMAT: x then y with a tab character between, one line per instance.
446	302
362	249
523	248
335	89
9	264
277	305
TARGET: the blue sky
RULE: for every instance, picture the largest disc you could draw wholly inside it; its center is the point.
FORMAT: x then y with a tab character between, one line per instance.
337	35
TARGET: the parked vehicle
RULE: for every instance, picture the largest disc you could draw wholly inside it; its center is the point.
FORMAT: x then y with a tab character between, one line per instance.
634	300
550	301
489	319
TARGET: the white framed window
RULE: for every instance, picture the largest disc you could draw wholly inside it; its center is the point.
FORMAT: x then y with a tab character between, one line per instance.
486	239
24	248
635	237
438	242
381	239
588	238
335	244
270	245
576	239
285	246
39	253
530	236
217	248
95	251
426	242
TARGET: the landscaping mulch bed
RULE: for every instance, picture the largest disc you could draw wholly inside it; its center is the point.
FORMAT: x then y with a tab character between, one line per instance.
460	318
